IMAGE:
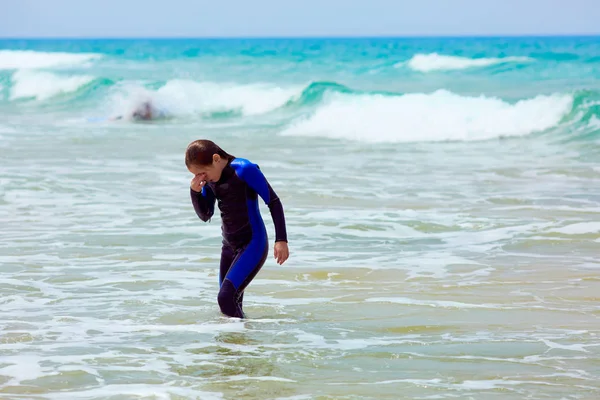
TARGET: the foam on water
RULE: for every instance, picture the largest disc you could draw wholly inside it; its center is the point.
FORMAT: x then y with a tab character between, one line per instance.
579	228
438	62
166	391
190	96
25	367
44	85
594	123
429	303
186	97
438	116
27	59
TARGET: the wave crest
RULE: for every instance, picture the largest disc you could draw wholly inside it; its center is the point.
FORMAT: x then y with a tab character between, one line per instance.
437	62
28	59
439	116
44	85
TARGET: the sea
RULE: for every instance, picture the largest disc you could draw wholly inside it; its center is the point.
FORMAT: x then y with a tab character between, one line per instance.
441	196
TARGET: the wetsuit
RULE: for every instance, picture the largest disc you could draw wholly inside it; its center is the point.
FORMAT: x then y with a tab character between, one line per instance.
245	242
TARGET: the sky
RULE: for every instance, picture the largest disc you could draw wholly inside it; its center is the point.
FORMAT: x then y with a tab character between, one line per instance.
292	18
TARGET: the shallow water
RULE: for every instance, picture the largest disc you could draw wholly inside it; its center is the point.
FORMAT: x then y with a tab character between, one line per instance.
422	269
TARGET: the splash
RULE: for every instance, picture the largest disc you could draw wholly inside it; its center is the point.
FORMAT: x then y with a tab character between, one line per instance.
439	116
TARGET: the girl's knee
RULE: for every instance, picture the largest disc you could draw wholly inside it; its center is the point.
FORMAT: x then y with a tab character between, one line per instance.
228	300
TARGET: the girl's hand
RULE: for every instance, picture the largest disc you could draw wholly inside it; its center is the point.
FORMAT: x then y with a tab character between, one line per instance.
197	183
281	252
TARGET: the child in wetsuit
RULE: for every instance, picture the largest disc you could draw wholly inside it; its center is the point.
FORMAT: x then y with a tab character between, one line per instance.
236	184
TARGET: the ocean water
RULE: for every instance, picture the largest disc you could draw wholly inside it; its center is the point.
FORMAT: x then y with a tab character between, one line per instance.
442	199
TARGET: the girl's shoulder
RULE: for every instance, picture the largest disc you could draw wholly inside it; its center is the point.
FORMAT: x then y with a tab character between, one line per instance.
246	169
242	164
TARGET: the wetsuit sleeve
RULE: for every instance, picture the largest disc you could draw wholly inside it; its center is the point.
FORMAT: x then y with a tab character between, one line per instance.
204	202
254	177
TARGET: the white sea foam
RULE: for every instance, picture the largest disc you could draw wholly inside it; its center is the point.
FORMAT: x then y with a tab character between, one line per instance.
186	97
579	228
438	62
27	59
429	303
250	99
438	116
44	85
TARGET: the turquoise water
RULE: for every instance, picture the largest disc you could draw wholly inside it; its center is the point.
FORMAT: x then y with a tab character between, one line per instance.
442	200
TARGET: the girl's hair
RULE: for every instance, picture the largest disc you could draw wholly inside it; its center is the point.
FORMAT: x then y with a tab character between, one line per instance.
200	152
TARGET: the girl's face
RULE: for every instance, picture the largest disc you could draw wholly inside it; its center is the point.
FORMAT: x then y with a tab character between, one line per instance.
209	173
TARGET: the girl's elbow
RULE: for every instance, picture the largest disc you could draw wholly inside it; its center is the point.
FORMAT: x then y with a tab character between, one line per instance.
205	217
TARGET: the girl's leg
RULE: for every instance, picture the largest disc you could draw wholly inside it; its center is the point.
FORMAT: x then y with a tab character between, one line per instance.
227	256
246	264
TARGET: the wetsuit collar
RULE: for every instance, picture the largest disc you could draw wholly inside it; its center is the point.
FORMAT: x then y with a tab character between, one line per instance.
226	173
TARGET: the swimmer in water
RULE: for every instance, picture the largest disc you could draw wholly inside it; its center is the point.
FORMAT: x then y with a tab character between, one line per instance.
144	112
236	184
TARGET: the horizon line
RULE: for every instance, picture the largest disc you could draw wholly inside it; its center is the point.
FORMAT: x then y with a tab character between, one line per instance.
267	37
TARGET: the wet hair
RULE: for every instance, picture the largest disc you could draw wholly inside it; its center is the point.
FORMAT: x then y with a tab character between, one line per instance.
200	152
143	111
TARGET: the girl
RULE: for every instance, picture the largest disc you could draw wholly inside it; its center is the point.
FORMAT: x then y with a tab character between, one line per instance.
236	183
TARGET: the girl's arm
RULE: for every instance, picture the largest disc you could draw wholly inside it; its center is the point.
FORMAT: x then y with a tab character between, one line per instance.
204	203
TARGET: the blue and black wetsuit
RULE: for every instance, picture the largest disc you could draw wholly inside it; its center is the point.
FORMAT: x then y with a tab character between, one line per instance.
245	242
